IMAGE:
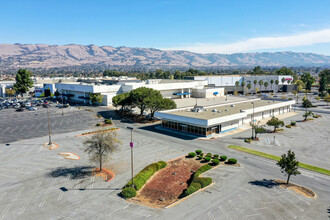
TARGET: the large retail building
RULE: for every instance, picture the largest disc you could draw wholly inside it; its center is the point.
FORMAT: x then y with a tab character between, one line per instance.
209	120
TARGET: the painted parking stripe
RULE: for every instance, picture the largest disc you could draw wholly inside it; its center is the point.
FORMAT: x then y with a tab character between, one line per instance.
224	212
3	195
11	203
236	208
211	216
30	198
248	205
59	198
47	193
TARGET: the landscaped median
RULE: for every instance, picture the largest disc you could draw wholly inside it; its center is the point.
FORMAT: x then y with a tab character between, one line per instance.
273	157
97	131
165	184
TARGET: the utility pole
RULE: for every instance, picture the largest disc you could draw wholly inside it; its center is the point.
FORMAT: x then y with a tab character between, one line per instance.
62	102
252	118
50	138
131	145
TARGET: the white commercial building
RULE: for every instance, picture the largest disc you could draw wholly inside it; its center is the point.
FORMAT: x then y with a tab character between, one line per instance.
209	120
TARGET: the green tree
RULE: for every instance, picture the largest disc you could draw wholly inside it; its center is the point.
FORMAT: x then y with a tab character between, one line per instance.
257	129
306	103
266	85
283	80
308	79
271	84
95	98
57	93
159	103
10	92
260	84
326	72
307	114
284	71
255	83
249	86
289	164
122	100
100	145
277	82
323	85
327	99
236	85
23	81
140	97
257	70
275	122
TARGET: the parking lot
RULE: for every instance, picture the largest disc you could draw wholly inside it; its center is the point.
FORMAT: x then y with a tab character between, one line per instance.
16	126
28	188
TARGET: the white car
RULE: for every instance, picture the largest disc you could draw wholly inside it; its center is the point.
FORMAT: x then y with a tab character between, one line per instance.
32	108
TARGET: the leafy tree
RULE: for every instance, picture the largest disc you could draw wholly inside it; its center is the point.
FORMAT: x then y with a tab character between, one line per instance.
57	93
160	103
257	130
236	84
275	122
284	71
306	103
307	114
95	98
140	97
289	164
121	100
308	79
266	85
249	86
10	92
100	146
327	99
23	81
326	72
283	80
257	70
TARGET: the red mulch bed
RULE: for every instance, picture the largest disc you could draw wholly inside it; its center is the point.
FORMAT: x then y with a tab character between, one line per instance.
136	118
106	174
166	186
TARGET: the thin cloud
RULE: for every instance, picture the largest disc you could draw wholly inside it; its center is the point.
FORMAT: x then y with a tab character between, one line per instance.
259	43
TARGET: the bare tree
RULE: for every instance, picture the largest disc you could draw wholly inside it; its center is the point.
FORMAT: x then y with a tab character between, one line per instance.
101	145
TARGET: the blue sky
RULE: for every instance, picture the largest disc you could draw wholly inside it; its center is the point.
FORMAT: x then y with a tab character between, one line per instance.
220	26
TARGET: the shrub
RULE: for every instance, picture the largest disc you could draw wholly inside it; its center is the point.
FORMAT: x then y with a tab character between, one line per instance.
98	124
216	156
198	152
200	156
128	192
207	159
316	116
248	140
204	181
293	123
196	185
208	155
215	161
223	158
288	126
289	98
191	154
232	161
192	188
317	98
204	168
309	119
108	121
142	177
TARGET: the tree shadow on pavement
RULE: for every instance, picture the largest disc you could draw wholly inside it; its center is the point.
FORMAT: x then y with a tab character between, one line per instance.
265	183
77	172
165	131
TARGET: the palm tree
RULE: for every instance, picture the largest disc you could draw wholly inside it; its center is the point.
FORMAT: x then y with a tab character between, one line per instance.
243	84
260	84
277	82
100	145
300	84
266	85
255	83
249	86
283	80
236	84
271	83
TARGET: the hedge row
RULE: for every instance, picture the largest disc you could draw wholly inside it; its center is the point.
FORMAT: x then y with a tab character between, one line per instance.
141	178
198	182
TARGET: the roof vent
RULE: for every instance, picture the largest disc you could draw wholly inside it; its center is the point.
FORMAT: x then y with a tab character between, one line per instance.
219	111
226	110
214	110
232	106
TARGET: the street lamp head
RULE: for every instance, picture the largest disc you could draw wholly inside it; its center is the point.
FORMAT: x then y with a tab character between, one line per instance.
130	128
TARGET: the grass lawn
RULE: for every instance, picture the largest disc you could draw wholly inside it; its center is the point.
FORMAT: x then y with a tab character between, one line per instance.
273	157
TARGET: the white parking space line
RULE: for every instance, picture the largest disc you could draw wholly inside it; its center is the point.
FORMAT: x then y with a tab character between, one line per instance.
3	195
224	212
285	209
248	205
271	211
236	208
30	198
78	188
292	203
211	216
11	203
47	193
22	128
92	182
59	198
4	131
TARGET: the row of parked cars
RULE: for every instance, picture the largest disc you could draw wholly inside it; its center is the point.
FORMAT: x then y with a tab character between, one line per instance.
28	104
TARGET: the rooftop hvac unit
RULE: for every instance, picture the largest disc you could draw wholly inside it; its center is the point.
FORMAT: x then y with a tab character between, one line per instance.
232	106
226	110
214	110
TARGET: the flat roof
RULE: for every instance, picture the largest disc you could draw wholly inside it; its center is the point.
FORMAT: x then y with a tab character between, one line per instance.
225	110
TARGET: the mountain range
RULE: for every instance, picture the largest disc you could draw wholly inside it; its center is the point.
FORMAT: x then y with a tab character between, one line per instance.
14	56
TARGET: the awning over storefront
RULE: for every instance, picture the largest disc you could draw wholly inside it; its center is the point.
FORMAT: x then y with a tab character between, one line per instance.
185	93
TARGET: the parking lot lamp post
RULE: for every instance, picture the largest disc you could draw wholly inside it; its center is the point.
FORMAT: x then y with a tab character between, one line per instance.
131	145
50	138
252	118
62	102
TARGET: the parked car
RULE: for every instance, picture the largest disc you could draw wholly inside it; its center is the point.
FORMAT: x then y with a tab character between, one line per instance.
32	108
46	105
20	110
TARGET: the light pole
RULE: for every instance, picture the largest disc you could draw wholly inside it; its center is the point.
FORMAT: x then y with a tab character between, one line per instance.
131	145
50	138
62	102
252	118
